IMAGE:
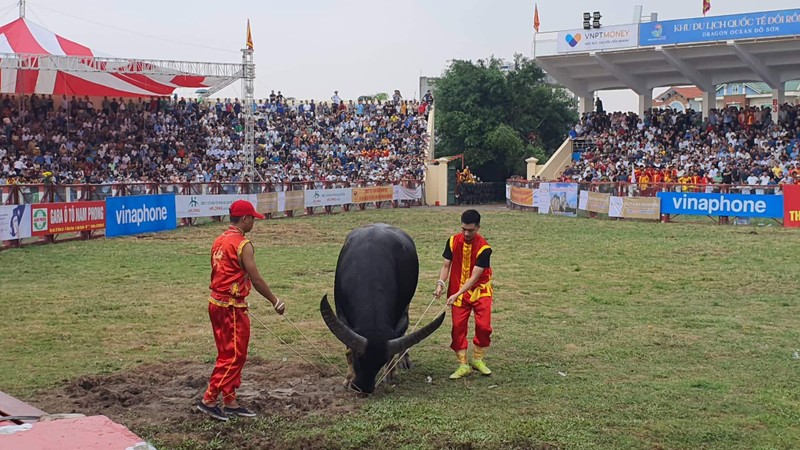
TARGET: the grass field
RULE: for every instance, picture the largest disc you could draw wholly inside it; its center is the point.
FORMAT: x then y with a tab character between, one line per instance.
607	335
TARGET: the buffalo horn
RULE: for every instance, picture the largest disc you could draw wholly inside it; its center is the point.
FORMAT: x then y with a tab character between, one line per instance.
350	338
401	344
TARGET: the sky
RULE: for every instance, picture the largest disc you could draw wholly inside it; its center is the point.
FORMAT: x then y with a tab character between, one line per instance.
309	48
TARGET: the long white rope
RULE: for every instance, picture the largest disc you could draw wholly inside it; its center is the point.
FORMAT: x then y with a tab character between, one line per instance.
312	344
352	388
286	343
399	358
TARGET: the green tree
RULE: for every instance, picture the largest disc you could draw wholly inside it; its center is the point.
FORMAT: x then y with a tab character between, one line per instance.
498	117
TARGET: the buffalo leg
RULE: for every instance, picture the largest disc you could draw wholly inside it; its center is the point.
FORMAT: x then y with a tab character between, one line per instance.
406	363
350	372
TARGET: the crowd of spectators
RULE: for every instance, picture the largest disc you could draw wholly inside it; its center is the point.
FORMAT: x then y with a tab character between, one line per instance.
171	140
732	146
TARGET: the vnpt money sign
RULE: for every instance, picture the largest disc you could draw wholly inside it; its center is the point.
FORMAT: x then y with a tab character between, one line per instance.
573	40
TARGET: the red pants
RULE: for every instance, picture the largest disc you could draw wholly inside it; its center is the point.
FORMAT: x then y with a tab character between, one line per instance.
232	334
483	323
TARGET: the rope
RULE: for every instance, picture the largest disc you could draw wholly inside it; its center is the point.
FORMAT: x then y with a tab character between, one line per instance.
399	358
300	355
312	344
285	343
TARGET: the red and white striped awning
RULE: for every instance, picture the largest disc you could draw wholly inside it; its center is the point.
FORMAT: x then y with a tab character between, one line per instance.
24	37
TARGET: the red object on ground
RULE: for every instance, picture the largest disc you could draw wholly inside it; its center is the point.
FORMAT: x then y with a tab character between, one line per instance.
85	433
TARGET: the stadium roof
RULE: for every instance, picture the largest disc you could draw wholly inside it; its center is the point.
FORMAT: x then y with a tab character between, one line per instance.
36	60
773	61
704	51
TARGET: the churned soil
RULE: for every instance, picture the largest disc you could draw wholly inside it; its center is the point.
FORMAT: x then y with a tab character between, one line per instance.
160	399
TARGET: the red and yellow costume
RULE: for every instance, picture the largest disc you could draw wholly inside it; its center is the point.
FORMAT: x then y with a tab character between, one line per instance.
227	309
479	298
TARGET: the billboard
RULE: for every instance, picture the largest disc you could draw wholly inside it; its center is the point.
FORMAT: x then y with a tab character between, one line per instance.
641	208
267	202
542	201
57	218
598	202
328	197
721	28
563	199
290	200
404	193
733	205
15	222
521	196
206	205
373	194
791	205
140	214
611	37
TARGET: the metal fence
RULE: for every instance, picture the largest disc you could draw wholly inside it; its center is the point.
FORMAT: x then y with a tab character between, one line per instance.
626	189
15	194
480	193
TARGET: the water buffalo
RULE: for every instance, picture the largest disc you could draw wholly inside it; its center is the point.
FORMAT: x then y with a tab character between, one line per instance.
376	277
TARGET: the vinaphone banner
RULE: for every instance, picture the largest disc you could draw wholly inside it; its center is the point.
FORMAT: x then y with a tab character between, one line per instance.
140	214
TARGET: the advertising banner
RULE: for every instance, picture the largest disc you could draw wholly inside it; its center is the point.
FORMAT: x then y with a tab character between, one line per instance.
608	37
267	203
732	205
583	200
140	214
564	199
328	197
641	208
615	206
373	194
205	205
57	218
15	222
544	198
522	196
291	200
404	193
721	28
598	202
791	205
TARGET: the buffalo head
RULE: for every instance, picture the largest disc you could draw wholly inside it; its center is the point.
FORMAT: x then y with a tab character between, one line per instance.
367	356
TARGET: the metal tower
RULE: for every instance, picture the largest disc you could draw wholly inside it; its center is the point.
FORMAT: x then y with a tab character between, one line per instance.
249	153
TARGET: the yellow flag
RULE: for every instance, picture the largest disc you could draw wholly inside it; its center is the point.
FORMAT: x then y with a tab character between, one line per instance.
249	36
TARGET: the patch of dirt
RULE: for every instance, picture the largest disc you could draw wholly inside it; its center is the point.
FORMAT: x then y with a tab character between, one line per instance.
164	396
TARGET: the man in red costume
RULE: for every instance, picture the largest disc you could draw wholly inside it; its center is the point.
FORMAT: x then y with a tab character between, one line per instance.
233	274
468	277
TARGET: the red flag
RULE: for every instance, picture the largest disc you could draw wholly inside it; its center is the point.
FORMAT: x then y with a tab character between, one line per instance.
706	6
536	17
249	36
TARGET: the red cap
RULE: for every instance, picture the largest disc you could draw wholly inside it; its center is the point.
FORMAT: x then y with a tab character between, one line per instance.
241	208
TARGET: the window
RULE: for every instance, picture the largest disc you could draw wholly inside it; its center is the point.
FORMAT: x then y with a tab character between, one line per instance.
677	106
735	89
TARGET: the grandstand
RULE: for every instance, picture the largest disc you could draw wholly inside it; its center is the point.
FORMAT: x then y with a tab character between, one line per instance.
170	141
731	146
70	116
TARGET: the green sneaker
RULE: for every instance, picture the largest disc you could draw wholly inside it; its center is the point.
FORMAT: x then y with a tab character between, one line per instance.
481	367
463	370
